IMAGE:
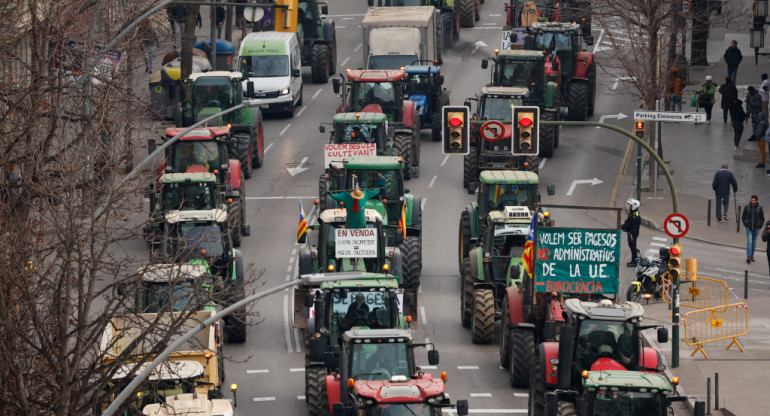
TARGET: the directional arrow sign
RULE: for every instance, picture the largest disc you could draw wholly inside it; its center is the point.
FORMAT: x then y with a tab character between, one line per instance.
299	168
619	116
477	45
594	181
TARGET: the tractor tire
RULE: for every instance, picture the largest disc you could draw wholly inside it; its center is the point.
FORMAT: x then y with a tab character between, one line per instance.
259	159
402	147
546	146
435	125
333	54
466	295
522	355
565	409
483	324
556	130
416	214
577	101
236	211
470	168
244	152
411	249
505	336
319	65
315	391
533	163
456	26
477	6
464	240
591	75
537	388
467	13
446	26
633	295
235	327
322	193
416	141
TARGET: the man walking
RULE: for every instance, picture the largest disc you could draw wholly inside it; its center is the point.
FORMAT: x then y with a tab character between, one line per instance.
738	117
753	219
764	87
766	238
753	108
675	89
733	58
706	97
631	227
723	180
729	94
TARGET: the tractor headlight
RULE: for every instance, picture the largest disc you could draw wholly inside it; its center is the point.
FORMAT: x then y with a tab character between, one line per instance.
284	91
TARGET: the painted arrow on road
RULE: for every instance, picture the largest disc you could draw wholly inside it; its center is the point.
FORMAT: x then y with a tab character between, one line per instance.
477	45
619	116
576	182
299	168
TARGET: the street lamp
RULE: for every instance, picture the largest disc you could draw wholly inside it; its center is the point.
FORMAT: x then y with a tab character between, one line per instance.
305	279
760	8
757	38
757	30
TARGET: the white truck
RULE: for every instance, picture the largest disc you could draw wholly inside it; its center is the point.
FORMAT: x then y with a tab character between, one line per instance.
395	37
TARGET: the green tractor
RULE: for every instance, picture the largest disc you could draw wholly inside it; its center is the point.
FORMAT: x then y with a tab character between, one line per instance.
495	189
526	69
493	265
401	211
360	128
210	93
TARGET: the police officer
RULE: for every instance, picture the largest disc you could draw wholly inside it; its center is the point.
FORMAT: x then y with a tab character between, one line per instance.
631	227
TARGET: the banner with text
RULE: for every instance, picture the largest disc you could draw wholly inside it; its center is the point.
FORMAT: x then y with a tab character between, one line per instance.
572	260
340	152
355	243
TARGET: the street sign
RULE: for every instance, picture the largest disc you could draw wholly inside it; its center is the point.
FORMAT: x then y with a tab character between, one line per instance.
670	116
572	260
492	130
355	242
676	225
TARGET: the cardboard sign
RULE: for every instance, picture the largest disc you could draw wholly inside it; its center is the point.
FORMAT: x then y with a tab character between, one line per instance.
340	152
355	243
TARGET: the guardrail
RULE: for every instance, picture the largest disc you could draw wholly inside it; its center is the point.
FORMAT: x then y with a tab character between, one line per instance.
714	324
702	293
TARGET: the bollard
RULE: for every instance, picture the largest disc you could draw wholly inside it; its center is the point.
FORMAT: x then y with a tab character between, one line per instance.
700	409
716	391
708	395
708	213
745	284
737	219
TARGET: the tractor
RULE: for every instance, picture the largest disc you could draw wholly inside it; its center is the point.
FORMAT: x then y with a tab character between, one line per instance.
492	186
567	64
350	130
425	89
315	32
401	395
205	150
173	287
526	69
400	210
492	266
210	93
494	103
597	336
450	15
383	91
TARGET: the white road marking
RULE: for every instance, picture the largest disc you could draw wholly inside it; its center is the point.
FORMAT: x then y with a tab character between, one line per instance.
286	322
301	397
298	338
422	315
296	370
491	15
294	250
542	163
598	41
520	394
419	289
432	181
617	80
301	110
467	367
658	244
267	148
489	24
443	162
422	204
472	411
619	116
291	259
592	182
660	238
358	47
345	61
484	27
427	367
284	129
257	371
316	94
347	18
480	394
344	15
340	27
264	399
288	269
427	341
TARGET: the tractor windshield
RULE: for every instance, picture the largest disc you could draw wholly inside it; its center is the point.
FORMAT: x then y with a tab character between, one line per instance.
627	403
171	297
358	308
187	196
261	66
212	92
403	409
391	188
601	339
501	196
514	73
420	83
357	133
365	93
391	61
499	107
200	240
195	156
379	361
563	44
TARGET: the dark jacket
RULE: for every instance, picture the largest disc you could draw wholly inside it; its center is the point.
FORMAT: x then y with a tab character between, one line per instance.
753	218
729	94
733	56
737	115
178	13
754	104
761	127
722	181
765	233
632	224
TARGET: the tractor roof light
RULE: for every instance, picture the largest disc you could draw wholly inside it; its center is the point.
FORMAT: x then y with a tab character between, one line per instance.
233	387
386	267
207	355
351	382
675	381
331	267
455	121
358	115
444	376
584	374
497	51
409	318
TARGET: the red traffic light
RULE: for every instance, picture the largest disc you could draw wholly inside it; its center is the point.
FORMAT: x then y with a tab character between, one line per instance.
674	251
525	121
639	125
455	121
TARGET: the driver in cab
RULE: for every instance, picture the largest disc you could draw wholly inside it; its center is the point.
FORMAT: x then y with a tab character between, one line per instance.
358	312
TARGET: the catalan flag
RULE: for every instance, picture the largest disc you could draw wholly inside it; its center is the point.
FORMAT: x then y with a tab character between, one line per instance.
302	227
402	221
498	192
529	247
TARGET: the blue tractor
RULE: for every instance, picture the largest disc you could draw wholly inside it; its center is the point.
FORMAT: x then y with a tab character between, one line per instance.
425	90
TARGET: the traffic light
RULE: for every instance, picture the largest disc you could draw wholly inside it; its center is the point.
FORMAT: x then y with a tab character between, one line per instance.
675	262
639	128
525	135
455	130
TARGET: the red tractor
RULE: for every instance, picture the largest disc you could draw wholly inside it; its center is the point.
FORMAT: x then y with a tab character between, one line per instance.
383	91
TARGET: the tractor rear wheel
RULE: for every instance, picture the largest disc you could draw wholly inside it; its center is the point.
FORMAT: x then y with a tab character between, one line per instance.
467	13
483	324
411	249
537	388
566	409
455	26
235	327
470	168
435	125
235	212
402	147
464	241
522	355
319	66
466	294
333	55
546	145
577	101
591	75
244	152
258	159
505	336
416	139
446	26
533	163
315	391
322	193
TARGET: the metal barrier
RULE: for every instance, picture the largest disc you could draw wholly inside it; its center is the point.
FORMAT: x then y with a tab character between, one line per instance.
715	324
702	293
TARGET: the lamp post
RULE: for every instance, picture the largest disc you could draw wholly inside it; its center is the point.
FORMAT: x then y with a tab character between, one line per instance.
305	279
757	31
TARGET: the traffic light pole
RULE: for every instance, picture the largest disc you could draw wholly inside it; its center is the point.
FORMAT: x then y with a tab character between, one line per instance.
675	205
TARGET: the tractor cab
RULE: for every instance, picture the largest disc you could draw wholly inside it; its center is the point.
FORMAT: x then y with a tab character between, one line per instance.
195	236
504	242
495	103
381	354
374	91
202	149
380	172
424	87
501	188
627	393
210	93
366	128
563	39
174	288
187	191
520	68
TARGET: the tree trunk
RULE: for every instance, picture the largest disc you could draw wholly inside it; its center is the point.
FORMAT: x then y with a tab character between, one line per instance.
700	33
188	39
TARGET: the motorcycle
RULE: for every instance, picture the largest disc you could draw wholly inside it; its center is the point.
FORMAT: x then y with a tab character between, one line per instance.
650	278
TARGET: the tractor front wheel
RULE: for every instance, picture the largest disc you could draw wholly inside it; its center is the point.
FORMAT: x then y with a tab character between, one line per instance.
505	336
466	294
315	391
464	241
547	132
467	13
435	125
259	159
402	147
483	324
243	151
411	249
319	65
522	355
577	101
470	168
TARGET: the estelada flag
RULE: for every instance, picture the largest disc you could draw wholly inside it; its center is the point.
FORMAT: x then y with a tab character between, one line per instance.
402	221
529	247
302	227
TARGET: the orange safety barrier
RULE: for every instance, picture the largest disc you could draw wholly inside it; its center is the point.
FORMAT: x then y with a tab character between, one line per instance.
704	292
715	324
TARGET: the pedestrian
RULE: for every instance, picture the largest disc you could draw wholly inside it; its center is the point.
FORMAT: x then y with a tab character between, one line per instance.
179	15
733	58
729	94
723	180
149	44
761	132
631	227
170	15
753	219
766	238
706	96
675	89
753	108
764	87
738	118
220	19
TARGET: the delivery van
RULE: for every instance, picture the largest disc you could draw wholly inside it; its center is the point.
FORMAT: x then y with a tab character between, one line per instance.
272	62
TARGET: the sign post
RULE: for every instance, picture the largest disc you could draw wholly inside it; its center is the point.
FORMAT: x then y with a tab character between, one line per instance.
676	225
